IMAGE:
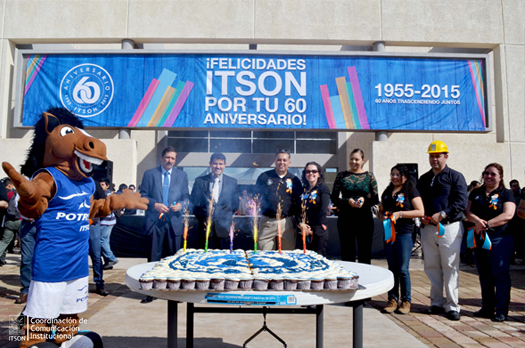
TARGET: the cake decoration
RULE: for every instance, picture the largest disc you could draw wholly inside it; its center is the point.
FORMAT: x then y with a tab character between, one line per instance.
248	270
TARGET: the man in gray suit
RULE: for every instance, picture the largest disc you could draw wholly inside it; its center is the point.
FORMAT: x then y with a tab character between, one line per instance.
224	191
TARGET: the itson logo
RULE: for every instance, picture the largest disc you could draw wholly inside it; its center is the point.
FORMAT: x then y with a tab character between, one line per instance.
86	90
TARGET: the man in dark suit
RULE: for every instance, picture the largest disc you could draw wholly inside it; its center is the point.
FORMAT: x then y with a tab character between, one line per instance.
166	188
224	191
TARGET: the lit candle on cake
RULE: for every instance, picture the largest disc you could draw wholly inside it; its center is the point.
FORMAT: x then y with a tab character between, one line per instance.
255	224
231	237
303	220
208	223
279	232
186	224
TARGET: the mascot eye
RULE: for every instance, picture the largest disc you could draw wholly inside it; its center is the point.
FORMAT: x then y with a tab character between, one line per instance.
66	130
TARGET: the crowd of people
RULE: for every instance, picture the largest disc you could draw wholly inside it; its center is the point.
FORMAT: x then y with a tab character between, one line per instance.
290	206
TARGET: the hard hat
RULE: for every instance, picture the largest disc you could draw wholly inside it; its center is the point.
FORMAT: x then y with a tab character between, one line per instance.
437	147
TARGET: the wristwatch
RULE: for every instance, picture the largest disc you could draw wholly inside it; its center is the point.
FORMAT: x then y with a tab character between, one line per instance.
443	214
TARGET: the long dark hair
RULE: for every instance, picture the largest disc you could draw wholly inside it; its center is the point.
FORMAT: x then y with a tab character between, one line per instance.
320	181
408	186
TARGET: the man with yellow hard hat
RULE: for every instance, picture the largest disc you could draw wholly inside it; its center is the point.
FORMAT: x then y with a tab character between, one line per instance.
444	194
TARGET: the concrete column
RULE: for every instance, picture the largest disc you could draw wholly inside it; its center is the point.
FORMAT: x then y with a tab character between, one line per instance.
128	44
162	142
125	133
380	47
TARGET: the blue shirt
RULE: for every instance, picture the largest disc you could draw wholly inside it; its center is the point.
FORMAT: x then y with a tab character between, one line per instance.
61	249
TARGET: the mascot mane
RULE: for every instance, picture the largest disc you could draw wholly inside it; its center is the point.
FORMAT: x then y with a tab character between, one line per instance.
35	156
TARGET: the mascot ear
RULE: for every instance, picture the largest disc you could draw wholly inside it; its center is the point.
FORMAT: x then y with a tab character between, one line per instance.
51	122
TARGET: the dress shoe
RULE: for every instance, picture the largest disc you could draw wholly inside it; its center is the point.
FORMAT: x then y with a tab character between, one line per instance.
21	299
147	299
483	313
498	318
101	292
453	315
435	310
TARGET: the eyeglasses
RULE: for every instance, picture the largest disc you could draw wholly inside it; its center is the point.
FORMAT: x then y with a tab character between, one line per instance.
311	171
396	175
490	174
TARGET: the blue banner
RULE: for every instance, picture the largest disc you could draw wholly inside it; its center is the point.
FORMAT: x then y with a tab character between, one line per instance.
259	91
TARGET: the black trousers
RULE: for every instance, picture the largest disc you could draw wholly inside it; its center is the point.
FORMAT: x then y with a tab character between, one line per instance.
164	242
214	241
319	240
356	229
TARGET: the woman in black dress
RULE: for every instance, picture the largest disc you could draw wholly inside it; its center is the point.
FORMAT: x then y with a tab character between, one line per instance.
315	202
354	194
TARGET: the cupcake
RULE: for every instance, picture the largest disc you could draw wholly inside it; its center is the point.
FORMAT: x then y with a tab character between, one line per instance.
231	283
160	283
290	284
146	282
277	283
217	283
317	283
330	283
344	282
246	282
188	284
173	283
202	283
354	283
303	284
260	283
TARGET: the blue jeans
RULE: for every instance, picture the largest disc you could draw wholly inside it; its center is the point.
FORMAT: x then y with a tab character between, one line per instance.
494	274
94	253
105	233
398	257
27	240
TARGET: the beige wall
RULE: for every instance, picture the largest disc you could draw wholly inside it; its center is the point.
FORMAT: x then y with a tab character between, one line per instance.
323	25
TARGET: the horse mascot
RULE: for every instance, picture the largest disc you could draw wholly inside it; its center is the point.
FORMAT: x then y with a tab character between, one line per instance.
59	198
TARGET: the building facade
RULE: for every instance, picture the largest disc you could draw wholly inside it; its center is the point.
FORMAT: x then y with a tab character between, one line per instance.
491	27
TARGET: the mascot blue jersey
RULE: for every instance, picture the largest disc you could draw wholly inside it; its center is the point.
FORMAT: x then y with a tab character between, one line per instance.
61	249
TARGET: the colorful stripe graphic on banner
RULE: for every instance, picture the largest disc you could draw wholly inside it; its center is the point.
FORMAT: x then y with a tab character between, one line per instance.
350	107
328	110
358	97
162	103
179	104
477	83
33	67
143	103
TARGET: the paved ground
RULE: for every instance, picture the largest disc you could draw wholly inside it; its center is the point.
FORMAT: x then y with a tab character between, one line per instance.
124	322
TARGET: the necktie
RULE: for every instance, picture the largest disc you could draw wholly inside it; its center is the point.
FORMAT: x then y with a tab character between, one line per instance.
215	191
166	189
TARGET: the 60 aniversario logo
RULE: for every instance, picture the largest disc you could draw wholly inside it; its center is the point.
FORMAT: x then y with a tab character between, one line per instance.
86	90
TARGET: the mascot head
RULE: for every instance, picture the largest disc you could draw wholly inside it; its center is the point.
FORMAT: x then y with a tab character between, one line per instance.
60	141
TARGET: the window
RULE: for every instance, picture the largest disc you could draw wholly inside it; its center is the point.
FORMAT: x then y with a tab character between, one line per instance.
253	141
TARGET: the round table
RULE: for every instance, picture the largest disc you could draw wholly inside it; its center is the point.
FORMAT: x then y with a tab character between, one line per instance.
373	281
